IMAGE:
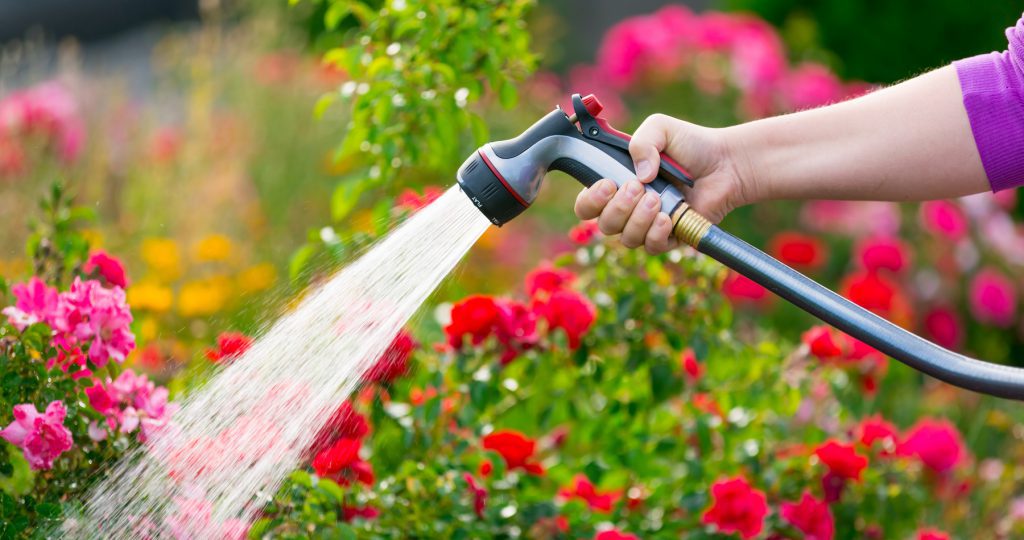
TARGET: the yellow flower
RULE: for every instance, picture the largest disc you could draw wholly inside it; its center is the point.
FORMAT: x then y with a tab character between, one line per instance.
163	257
148	329
93	237
363	221
257	278
204	297
215	247
151	296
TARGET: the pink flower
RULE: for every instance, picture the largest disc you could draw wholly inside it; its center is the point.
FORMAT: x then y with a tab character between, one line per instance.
810	516
412	201
944	327
36	302
931	534
876	429
741	289
882	252
546	279
479	495
691	366
615	534
41	436
993	298
650	42
854	218
937	443
93	314
192	517
131	402
811	85
944	218
582	488
107	267
49	111
759	60
584	233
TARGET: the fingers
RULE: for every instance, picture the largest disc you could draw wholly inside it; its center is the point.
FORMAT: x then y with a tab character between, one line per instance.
592	201
613	218
635	232
659	238
649	140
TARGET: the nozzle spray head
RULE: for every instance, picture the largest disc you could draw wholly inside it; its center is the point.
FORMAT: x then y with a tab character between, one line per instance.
502	178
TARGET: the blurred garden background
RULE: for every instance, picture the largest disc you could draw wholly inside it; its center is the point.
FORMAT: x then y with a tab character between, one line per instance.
178	173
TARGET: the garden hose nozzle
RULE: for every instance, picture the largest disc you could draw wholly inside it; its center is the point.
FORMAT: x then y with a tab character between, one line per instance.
503	178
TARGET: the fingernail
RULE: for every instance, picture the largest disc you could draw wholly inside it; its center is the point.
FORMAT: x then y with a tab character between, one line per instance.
633	188
650	200
605	187
643	168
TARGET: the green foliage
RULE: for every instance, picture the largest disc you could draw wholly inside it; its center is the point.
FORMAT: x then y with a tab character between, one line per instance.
886	42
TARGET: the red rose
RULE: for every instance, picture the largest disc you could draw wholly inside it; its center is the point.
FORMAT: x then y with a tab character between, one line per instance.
842	460
107	267
937	443
870	291
875	428
583	233
931	534
582	488
736	508
479	495
518	330
348	513
810	516
516	449
823	342
797	249
230	345
546	279
340	462
477	316
944	327
345	423
741	289
394	362
571	312
694	370
410	200
613	534
882	252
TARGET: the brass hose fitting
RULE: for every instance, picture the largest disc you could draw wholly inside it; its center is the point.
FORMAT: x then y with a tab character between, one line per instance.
690	227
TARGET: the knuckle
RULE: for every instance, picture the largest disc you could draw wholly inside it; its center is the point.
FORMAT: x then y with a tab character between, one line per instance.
606	227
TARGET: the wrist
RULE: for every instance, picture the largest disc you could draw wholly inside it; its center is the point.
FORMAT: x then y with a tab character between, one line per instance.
741	161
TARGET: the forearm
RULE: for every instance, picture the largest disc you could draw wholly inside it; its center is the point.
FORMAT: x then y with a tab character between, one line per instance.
911	141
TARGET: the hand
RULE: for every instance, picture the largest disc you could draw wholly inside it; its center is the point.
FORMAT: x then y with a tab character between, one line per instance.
705	154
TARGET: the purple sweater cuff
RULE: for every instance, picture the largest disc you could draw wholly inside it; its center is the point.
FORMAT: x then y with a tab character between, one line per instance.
993	93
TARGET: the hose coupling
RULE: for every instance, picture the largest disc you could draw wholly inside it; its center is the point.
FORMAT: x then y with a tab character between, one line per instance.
690	227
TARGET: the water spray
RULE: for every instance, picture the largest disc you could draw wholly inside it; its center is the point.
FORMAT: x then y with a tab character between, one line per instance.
502	179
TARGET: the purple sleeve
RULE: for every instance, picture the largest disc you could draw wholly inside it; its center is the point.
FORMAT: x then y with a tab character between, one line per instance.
993	90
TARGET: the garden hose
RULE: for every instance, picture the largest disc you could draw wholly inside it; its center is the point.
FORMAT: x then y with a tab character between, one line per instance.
502	179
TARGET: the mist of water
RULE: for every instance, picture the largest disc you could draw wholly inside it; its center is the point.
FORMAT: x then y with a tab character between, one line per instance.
236	438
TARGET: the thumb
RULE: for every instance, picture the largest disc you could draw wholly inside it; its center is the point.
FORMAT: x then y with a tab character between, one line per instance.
650	139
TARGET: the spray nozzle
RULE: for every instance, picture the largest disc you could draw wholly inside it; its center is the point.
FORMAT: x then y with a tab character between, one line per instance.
502	178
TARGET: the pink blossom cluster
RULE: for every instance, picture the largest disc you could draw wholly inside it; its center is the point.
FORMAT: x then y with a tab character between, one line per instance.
714	50
48	112
41	436
130	402
89	321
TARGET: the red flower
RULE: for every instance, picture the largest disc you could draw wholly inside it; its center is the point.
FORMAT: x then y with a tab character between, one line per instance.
736	508
875	428
937	443
705	403
582	488
870	291
882	252
345	423
931	534
583	233
944	327
230	345
348	513
741	289
546	279
810	516
797	249
841	459
479	495
410	200
340	462
694	370
394	362
823	342
482	316
614	534
571	312
107	267
517	449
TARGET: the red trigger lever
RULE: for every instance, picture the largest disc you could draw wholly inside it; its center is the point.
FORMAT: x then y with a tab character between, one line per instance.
596	128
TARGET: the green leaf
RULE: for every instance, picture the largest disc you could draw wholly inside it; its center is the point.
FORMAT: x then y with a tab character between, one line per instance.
323	103
48	510
335	14
299	260
346	197
507	95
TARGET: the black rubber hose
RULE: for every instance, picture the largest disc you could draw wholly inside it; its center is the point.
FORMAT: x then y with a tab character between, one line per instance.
807	294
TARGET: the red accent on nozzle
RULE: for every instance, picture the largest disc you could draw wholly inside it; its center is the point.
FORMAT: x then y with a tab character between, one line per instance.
593	106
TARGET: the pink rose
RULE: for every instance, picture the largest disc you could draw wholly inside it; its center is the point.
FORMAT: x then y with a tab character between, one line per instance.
993	298
41	436
107	267
944	218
